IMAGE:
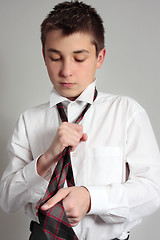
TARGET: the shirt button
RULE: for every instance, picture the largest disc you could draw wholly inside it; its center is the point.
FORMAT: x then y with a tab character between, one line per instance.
74	154
73	104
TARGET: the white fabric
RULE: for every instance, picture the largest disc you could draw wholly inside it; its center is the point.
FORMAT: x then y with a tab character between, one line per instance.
120	137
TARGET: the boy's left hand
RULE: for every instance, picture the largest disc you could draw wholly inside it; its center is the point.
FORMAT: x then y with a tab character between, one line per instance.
76	202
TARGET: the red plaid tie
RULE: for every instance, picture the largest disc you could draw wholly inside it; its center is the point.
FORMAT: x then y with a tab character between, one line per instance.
54	221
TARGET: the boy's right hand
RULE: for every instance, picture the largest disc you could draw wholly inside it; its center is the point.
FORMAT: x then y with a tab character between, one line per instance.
68	134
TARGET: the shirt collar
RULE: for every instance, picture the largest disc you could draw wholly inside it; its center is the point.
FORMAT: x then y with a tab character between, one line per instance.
86	96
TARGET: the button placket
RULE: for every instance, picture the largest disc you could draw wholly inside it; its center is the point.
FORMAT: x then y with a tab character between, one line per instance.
71	111
73	159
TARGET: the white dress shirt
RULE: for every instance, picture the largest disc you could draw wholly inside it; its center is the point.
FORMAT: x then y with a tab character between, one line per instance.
119	163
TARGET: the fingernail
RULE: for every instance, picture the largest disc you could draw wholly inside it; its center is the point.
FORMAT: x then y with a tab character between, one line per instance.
45	206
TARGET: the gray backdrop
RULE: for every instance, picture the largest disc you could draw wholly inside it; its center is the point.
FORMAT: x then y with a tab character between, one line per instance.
131	68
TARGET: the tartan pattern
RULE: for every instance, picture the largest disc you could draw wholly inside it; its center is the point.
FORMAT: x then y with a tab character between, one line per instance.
54	221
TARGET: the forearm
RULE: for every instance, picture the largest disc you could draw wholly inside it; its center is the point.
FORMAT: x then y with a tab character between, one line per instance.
21	187
45	163
125	202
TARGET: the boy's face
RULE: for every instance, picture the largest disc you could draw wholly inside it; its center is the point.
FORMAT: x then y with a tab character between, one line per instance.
71	62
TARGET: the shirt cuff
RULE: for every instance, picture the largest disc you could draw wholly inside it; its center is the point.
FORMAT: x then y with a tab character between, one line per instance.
33	179
109	202
99	200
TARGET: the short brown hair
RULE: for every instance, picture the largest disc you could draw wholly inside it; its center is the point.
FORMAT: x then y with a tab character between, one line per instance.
72	17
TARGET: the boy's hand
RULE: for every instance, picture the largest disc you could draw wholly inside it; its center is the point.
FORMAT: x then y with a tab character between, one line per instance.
76	202
68	134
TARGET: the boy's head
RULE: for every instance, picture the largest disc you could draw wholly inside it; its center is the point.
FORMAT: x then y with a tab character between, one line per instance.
72	17
73	47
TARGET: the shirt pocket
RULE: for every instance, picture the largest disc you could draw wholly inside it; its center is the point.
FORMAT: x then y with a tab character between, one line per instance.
105	165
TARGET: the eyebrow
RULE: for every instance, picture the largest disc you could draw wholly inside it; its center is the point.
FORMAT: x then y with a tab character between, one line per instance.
59	52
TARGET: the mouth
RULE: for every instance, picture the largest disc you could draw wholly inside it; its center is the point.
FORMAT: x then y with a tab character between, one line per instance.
67	85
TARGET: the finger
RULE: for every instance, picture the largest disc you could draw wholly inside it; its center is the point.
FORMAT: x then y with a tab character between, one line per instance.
77	139
68	125
60	195
70	136
84	137
76	126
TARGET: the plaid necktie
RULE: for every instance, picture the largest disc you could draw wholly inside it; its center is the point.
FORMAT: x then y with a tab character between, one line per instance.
54	221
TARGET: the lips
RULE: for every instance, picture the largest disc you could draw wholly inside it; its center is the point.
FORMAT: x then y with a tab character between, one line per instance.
67	85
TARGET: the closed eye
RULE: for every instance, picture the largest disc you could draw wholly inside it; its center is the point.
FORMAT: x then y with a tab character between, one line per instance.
79	60
55	59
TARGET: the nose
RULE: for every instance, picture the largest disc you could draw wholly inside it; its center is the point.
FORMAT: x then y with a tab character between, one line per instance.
66	69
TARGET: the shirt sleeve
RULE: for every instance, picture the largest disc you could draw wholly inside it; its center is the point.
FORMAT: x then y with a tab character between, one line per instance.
20	182
139	195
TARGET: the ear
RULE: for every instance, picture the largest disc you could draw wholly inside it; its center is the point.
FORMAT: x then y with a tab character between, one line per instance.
101	57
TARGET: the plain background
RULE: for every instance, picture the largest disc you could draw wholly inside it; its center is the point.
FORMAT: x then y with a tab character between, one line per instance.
131	68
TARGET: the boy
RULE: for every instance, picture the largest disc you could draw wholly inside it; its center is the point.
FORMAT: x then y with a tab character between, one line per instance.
114	155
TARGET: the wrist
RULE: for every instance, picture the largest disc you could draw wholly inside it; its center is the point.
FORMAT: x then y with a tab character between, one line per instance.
89	199
45	162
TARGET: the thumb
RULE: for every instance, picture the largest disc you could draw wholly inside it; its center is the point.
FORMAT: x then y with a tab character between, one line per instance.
60	195
84	137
